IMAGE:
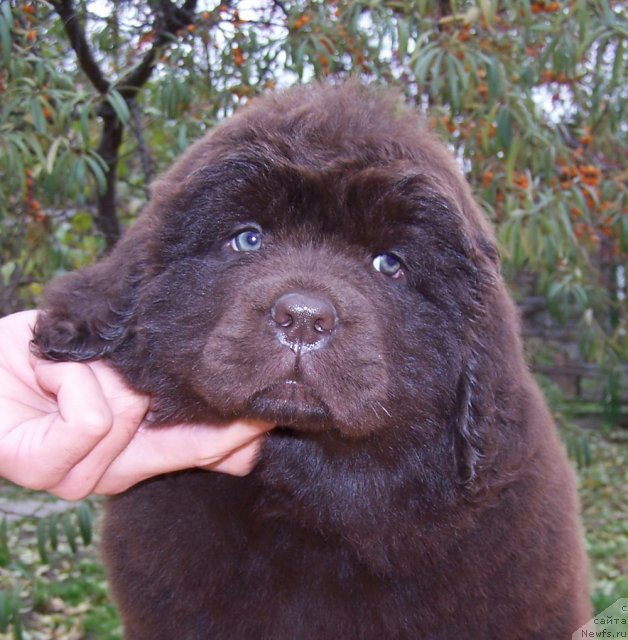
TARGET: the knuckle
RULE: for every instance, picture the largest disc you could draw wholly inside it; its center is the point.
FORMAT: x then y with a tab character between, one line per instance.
95	422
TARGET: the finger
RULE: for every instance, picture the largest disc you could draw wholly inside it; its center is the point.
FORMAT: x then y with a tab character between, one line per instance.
128	408
241	462
79	421
83	478
16	332
157	450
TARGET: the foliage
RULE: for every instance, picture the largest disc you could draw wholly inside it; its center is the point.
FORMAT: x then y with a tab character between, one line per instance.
528	95
51	581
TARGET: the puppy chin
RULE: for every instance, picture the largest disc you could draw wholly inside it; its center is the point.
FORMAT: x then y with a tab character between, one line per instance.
290	403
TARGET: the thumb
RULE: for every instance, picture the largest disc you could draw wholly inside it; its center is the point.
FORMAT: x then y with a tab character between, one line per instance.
157	450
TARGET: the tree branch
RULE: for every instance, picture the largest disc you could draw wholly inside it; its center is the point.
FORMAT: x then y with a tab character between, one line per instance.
138	132
168	20
78	42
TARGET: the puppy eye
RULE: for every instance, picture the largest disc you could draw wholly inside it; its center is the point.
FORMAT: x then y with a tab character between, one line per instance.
388	264
249	240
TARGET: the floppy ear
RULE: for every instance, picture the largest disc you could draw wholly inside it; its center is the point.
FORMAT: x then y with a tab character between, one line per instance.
87	314
474	431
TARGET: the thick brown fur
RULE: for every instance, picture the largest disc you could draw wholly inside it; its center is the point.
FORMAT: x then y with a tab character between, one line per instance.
417	487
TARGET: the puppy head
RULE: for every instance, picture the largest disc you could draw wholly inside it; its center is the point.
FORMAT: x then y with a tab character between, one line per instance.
317	261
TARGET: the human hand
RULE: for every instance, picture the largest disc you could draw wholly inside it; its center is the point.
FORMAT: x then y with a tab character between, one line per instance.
77	428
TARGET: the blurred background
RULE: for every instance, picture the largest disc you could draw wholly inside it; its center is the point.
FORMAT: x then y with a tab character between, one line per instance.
97	97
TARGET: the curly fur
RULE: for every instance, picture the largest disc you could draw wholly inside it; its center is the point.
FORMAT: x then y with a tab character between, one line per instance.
417	487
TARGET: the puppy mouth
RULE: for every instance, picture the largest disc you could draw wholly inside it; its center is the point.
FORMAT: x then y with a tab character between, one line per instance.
290	403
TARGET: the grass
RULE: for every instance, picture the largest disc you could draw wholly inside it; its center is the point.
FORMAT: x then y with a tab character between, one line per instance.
53	583
604	497
65	597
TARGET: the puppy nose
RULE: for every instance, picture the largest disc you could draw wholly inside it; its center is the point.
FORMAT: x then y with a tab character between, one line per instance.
303	320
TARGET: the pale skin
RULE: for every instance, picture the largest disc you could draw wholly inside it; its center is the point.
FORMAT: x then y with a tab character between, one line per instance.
73	429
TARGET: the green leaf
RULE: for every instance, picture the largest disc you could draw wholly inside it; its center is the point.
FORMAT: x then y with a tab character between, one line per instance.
5	554
41	540
299	57
53	531
52	154
504	128
84	122
70	532
493	81
5	38
511	157
6	13
119	105
403	35
182	137
618	65
37	114
35	147
436	77
16	615
5	610
423	62
452	77
85	523
98	173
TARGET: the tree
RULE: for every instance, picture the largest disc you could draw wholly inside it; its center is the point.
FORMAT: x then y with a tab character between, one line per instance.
96	96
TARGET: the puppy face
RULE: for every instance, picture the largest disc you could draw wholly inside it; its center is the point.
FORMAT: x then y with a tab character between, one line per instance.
315	262
306	300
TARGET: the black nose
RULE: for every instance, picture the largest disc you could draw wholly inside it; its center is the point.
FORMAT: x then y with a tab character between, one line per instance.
303	320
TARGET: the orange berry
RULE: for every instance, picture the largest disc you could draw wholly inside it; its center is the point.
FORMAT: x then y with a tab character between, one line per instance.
303	20
520	180
547	75
588	198
238	57
590	175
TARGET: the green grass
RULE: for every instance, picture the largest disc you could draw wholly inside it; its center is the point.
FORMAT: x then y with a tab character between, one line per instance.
604	497
64	596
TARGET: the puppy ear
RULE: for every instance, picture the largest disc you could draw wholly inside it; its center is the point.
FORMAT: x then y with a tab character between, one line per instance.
88	313
474	432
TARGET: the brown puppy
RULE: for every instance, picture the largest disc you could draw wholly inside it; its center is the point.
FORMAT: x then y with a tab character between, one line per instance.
318	261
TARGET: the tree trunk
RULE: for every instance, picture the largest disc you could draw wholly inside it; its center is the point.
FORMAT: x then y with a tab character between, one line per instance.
107	217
